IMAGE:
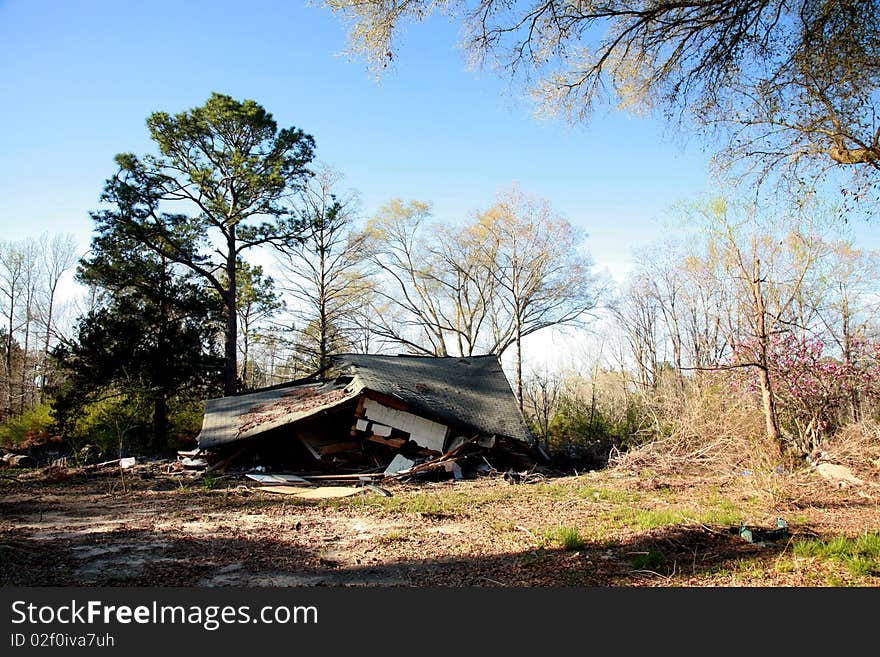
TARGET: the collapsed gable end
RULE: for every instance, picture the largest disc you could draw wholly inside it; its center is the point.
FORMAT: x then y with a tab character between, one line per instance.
383	400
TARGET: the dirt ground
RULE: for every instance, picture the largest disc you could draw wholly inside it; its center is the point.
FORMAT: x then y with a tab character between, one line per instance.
602	528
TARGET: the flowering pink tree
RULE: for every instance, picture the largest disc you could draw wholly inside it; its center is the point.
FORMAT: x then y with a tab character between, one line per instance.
813	391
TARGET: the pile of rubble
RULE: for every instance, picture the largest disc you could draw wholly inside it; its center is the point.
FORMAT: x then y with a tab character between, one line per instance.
383	417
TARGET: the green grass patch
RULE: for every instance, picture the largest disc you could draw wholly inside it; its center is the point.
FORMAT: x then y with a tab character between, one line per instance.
860	555
722	516
393	536
783	565
645	519
421	503
439	503
568	538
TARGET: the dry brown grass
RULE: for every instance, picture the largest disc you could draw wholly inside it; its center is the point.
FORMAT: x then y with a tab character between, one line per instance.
708	430
721	436
857	446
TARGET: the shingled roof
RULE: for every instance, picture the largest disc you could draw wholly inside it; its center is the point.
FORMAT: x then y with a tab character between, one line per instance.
470	392
466	394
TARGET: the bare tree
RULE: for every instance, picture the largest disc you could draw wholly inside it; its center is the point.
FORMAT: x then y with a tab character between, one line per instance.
518	268
325	276
437	288
844	295
30	284
768	262
59	255
12	276
689	305
541	394
542	275
637	315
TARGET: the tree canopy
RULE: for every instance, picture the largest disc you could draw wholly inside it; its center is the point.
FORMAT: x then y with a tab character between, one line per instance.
151	337
230	175
794	83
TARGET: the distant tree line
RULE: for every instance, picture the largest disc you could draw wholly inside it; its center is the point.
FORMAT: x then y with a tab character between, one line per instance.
773	311
31	271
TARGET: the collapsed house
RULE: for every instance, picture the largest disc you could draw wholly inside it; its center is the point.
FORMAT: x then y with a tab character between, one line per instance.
373	413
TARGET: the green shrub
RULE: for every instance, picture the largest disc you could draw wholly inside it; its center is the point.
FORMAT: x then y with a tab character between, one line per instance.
185	421
112	423
33	425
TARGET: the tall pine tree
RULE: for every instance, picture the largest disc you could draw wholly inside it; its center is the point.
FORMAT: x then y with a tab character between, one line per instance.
222	183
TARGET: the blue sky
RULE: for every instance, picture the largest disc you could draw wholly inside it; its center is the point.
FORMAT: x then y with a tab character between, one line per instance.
78	80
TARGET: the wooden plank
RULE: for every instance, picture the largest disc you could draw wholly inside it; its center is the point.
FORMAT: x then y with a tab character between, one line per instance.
369	475
435	463
309	446
319	493
288	479
329	492
396	443
220	466
359	410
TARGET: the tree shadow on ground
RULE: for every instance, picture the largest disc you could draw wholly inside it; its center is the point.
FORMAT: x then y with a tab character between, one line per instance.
124	557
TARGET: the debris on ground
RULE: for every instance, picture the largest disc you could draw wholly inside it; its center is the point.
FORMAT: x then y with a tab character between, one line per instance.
319	493
527	477
286	479
760	536
399	464
16	460
837	474
193	464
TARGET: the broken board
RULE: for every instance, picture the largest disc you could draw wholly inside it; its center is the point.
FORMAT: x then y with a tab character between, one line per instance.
399	464
424	433
288	479
319	493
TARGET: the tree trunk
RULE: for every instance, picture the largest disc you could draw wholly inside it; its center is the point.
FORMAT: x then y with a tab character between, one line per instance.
44	372
768	401
854	401
230	366
9	358
245	334
24	361
159	443
519	385
323	356
160	423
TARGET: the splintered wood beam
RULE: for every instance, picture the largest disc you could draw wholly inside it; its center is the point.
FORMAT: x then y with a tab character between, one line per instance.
359	411
433	463
396	443
220	466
